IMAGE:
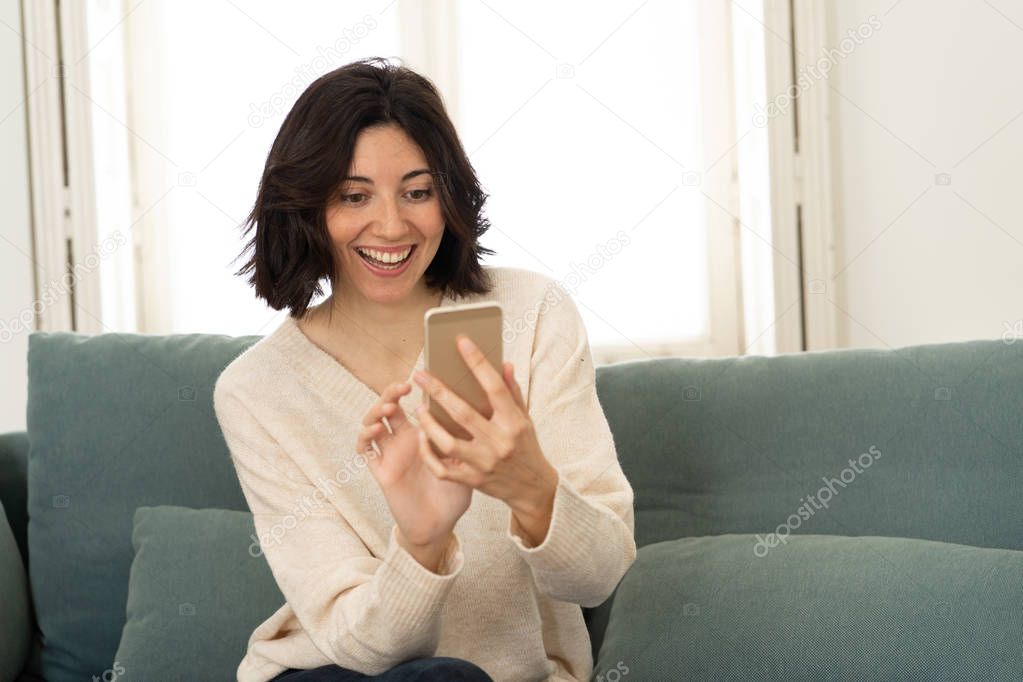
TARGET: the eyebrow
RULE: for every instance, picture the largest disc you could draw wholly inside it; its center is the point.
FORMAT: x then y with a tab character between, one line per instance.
407	176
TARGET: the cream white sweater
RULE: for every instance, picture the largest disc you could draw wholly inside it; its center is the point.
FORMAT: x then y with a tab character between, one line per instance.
290	414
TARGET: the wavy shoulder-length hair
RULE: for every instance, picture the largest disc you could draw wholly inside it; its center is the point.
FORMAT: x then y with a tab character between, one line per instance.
291	250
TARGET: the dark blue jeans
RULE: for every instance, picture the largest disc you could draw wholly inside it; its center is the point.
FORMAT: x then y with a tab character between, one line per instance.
435	669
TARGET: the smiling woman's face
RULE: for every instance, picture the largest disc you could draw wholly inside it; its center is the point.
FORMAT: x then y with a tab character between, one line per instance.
388	204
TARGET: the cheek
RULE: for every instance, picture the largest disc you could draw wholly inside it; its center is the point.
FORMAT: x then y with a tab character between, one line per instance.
337	234
433	223
340	228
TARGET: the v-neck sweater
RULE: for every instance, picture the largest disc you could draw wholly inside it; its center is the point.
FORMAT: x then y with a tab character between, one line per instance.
290	414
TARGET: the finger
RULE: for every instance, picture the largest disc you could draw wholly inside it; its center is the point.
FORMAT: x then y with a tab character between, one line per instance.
394	391
395	419
445	443
460	411
444	469
373	456
366	434
513	385
429	458
373	413
483	432
488	377
386	406
454	452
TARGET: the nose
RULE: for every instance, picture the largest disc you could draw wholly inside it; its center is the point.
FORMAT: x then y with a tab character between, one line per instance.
390	225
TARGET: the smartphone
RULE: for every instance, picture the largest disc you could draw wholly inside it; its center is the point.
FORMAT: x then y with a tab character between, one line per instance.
481	322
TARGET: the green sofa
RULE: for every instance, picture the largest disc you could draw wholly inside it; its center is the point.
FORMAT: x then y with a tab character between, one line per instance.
853	514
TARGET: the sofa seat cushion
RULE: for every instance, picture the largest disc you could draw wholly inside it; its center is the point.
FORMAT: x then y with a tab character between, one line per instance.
198	587
816	607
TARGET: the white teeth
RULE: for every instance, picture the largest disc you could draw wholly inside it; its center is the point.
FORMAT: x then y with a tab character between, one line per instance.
386	257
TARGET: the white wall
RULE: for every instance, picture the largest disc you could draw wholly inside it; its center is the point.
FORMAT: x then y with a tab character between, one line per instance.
936	89
16	287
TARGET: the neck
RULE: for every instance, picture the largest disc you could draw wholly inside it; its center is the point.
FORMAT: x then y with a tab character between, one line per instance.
373	322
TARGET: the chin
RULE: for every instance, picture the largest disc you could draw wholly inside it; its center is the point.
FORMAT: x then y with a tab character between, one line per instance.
388	292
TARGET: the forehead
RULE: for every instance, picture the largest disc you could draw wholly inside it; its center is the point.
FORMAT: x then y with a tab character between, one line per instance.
385	150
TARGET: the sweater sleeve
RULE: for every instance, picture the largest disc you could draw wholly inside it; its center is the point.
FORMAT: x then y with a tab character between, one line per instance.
362	612
590	543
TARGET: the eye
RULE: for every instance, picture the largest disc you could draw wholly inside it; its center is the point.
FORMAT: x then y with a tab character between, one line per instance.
420	194
354	198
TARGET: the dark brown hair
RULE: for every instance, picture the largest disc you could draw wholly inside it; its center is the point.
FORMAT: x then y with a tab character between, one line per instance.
291	249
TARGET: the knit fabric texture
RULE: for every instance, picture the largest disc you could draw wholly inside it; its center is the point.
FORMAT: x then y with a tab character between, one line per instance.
290	413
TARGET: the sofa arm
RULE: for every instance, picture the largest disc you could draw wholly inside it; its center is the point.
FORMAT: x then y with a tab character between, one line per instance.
14	486
15	621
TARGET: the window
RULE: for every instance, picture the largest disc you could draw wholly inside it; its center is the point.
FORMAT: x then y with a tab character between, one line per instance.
604	134
590	143
211	84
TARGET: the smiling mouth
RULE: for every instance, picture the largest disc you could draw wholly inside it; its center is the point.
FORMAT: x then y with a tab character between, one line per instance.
388	264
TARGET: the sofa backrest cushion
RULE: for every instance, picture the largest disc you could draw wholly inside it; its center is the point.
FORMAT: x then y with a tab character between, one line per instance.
115	421
763	444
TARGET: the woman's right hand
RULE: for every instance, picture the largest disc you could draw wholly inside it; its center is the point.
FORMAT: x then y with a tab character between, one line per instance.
424	507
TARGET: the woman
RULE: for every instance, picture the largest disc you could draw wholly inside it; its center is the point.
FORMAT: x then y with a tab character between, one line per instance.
414	555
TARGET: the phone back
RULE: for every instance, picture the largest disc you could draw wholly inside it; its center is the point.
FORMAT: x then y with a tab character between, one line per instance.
481	322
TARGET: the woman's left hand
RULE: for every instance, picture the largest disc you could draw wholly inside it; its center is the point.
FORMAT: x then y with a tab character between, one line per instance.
503	459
